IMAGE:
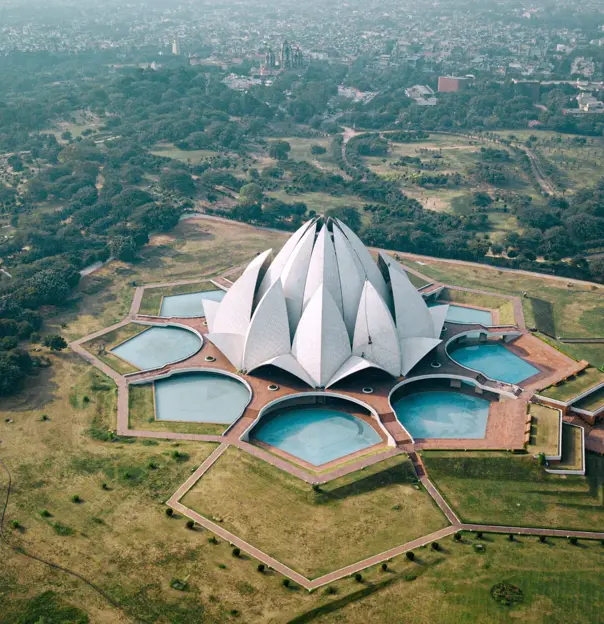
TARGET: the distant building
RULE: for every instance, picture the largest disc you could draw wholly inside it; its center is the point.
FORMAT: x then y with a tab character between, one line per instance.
289	58
176	47
452	84
422	95
589	104
528	88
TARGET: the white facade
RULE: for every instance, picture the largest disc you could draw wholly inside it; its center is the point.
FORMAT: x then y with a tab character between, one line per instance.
323	309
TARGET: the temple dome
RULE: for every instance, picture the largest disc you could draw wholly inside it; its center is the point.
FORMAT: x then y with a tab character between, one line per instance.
323	309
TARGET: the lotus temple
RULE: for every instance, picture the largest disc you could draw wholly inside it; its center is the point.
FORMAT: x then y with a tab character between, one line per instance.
324	355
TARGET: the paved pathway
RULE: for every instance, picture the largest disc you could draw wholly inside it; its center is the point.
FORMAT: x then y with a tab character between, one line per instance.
312	584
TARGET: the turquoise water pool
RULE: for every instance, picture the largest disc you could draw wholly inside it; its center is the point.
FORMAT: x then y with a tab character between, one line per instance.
495	361
440	414
200	397
459	314
316	435
189	305
158	346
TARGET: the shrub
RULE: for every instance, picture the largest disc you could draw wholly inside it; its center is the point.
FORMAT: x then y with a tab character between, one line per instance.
236	552
76	499
541	459
190	524
542	539
169	512
105	486
45	513
152	465
15	524
511	537
316	487
212	540
479	535
410	555
573	540
285	582
331	590
260	568
358	577
45	417
86	398
435	546
385	567
457	537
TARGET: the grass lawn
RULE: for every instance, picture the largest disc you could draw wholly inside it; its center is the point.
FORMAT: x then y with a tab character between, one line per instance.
152	297
300	151
141	415
569	389
578	311
500	488
592	402
504	306
113	339
319	202
417	281
545	430
572	456
561	583
169	150
352	518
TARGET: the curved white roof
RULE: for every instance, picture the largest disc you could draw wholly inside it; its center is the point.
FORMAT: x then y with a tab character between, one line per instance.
352	278
321	343
323	310
323	269
268	334
375	336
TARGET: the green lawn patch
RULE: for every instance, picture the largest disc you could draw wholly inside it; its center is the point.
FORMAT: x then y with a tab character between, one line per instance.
492	302
545	430
152	297
592	402
572	449
101	346
566	390
349	519
505	489
543	313
141	415
416	280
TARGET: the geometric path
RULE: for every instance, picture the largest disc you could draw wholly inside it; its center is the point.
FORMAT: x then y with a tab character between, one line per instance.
312	584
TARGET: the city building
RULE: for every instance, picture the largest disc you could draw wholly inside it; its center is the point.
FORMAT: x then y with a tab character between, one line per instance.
422	95
452	84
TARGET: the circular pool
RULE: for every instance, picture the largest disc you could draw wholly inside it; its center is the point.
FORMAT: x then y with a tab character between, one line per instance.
200	397
316	435
443	414
157	346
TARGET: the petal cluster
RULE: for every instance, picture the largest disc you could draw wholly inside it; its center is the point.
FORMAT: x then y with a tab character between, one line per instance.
323	309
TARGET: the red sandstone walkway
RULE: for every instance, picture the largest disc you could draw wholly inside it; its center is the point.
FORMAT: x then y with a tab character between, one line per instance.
312	584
